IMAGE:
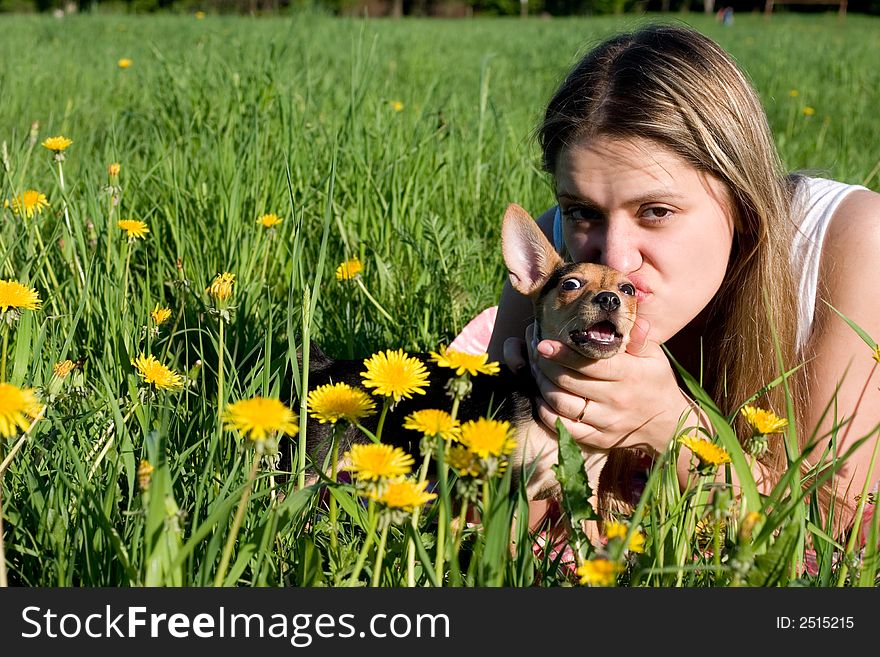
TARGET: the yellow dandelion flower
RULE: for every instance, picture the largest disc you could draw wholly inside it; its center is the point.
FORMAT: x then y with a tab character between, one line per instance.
349	269
794	93
62	369
876	354
155	373
57	144
462	362
200	15
808	111
396	105
160	315
113	169
432	422
405	495
17	296
124	63
220	288
706	451
636	543
762	421
134	228
615	529
485	437
269	220
18	408
29	203
260	418
599	572
463	461
339	401
395	374
377	461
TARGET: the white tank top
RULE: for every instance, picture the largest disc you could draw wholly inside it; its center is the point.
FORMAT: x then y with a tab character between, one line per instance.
816	199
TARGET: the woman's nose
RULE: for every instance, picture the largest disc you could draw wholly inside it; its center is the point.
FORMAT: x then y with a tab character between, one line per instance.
619	248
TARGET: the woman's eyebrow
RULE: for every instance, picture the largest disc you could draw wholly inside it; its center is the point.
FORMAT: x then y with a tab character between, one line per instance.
657	195
652	196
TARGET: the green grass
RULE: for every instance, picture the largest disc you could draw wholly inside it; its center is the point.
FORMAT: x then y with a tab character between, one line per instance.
221	120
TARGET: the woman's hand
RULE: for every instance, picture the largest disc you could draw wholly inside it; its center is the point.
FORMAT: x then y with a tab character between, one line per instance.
629	400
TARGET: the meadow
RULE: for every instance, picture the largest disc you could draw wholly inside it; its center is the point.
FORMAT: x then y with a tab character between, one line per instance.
396	143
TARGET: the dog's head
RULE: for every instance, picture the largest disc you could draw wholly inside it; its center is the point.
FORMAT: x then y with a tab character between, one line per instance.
590	308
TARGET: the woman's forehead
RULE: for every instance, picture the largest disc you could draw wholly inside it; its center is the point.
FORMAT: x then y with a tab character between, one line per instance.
637	165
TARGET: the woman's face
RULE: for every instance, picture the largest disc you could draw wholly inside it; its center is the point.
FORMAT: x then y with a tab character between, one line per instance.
637	207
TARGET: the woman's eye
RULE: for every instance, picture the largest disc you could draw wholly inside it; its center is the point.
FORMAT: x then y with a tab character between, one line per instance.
628	289
571	284
582	214
658	213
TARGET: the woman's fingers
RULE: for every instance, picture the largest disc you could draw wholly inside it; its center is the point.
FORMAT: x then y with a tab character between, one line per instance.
583	432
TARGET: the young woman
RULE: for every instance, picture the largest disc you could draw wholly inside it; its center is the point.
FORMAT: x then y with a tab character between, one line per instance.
665	169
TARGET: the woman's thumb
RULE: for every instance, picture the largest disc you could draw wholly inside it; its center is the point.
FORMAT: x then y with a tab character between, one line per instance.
638	336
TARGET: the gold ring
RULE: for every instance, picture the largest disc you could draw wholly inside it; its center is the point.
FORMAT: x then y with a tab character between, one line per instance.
581	416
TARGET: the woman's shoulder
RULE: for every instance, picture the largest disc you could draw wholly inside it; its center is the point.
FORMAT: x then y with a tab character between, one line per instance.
853	238
857	216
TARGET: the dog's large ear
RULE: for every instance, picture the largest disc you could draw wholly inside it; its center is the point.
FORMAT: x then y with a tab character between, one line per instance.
529	257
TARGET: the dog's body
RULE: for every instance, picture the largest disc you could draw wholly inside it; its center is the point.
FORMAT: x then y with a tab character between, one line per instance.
590	308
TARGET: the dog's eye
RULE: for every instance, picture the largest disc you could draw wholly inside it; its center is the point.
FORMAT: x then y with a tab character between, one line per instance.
628	289
570	284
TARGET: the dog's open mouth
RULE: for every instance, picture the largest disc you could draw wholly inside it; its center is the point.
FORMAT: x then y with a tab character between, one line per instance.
601	336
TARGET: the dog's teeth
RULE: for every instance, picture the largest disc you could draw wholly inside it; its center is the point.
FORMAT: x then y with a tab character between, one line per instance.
600	336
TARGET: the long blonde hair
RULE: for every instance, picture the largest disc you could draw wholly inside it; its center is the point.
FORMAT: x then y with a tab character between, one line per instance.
681	90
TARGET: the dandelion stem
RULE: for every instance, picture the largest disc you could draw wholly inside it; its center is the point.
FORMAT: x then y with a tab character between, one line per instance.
368	543
380	555
372	300
444	509
3	582
382	415
236	524
410	544
334	462
125	276
220	400
3	357
265	264
440	560
79	268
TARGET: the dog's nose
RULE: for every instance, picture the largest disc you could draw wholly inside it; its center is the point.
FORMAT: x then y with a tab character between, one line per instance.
607	301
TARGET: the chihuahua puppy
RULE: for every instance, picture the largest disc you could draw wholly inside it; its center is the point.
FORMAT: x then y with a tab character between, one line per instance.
590	308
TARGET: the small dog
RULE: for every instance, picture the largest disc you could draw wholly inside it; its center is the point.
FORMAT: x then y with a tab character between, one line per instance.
590	308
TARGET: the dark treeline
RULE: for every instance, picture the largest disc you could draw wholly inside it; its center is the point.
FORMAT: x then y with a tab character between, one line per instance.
449	8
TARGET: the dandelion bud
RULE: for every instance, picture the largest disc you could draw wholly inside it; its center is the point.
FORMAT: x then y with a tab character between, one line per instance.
220	289
758	445
145	474
113	170
63	368
747	526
